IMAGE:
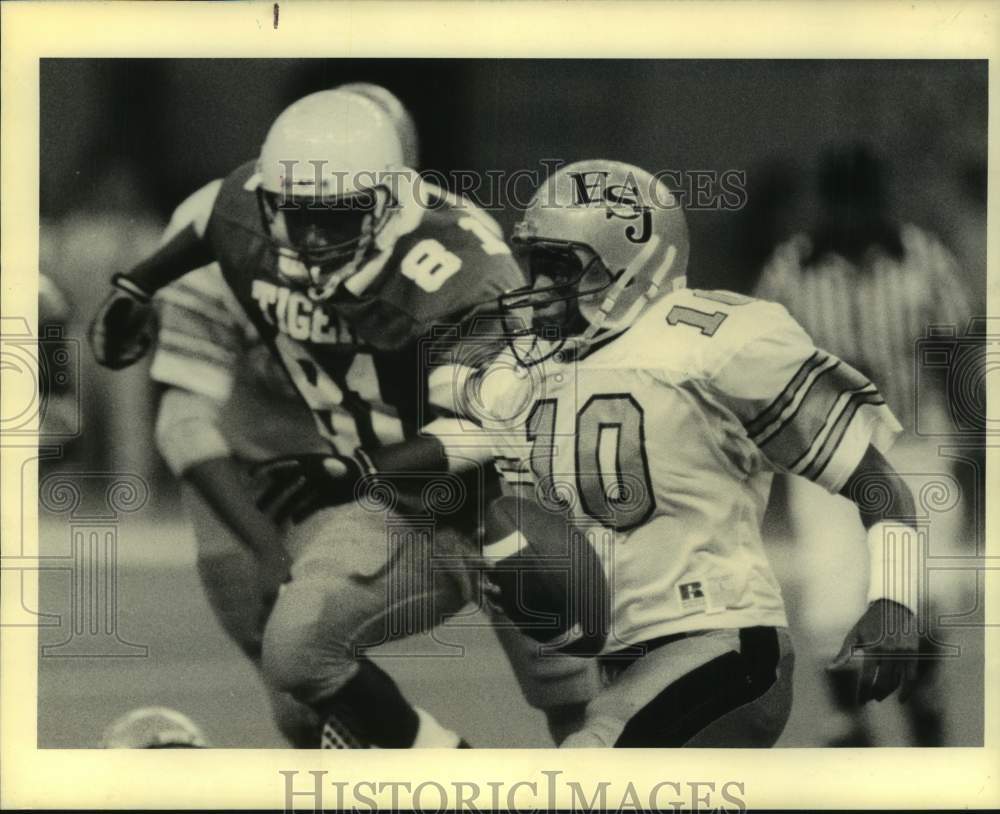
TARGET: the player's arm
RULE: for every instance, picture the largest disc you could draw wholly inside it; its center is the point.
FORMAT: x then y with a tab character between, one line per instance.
813	415
886	637
201	340
297	486
122	331
190	440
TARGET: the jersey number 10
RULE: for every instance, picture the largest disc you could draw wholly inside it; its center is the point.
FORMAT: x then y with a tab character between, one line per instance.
611	469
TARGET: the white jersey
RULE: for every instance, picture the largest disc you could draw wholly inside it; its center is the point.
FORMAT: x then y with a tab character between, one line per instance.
669	435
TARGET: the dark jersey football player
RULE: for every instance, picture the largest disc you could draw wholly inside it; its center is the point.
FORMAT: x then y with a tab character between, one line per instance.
338	255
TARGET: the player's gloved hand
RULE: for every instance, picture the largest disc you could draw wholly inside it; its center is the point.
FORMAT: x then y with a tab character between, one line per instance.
123	330
297	486
884	643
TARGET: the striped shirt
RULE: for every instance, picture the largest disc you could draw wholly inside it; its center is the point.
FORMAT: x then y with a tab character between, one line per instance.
872	318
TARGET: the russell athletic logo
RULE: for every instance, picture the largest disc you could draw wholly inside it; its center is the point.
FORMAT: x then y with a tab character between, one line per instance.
690	591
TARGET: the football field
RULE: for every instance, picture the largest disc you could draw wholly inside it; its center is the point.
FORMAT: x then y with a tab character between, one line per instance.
186	662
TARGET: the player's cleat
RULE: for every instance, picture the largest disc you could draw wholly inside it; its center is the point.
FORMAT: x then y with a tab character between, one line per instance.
335	735
154	728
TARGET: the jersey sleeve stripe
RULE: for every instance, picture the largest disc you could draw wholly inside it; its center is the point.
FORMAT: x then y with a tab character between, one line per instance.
180	318
194	346
195	303
206	378
833	441
801	396
843	404
797	429
769	413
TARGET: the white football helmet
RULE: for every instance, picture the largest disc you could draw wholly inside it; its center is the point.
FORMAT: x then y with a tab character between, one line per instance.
406	128
154	728
600	240
327	181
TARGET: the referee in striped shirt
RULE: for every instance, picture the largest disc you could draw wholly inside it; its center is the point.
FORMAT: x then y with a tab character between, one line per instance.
865	287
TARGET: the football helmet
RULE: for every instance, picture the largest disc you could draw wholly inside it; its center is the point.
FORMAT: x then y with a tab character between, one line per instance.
406	128
600	241
326	182
154	728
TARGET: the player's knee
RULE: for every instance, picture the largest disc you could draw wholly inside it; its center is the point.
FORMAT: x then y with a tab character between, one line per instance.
305	654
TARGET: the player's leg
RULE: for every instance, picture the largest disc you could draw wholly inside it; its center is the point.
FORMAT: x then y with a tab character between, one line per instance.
560	686
360	579
723	688
241	592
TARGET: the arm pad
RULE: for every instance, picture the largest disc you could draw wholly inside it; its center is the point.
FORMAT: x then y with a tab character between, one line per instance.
187	430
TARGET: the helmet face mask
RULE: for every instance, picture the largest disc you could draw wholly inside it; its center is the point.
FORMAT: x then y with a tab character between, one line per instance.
561	273
600	241
324	240
326	185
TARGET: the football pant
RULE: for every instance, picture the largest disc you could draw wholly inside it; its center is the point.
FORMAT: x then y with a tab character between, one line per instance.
723	688
241	595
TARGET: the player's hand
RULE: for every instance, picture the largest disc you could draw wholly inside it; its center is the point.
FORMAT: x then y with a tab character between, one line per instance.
884	643
297	486
123	330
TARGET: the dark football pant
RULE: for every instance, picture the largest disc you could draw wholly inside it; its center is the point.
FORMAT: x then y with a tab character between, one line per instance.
721	688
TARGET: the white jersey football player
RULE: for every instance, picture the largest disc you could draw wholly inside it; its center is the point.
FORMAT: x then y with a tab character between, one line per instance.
647	419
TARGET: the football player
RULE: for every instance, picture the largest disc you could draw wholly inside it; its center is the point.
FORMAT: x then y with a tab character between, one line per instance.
227	399
647	419
341	262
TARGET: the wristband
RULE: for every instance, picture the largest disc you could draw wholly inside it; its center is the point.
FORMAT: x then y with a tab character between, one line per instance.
896	560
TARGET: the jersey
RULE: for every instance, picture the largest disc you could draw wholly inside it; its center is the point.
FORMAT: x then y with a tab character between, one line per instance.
669	435
206	345
355	357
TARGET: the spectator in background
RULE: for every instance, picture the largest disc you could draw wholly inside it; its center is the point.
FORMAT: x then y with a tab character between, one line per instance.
865	287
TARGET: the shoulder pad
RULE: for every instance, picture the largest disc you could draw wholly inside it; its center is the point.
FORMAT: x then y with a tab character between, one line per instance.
450	264
195	210
692	334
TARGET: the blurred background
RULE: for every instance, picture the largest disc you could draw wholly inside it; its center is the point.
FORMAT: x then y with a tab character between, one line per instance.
124	141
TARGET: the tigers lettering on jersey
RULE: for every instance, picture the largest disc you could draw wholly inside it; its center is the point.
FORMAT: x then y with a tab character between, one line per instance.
294	314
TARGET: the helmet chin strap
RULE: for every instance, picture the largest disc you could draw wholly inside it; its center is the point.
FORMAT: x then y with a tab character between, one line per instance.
623	280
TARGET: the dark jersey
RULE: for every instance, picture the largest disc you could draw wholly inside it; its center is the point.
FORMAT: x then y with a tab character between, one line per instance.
359	358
